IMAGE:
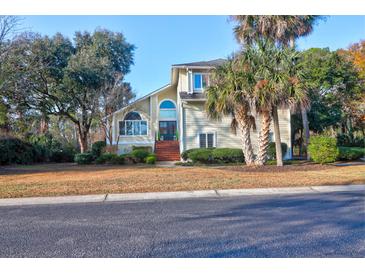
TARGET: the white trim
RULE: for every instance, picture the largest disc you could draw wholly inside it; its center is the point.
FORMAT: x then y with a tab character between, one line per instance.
190	81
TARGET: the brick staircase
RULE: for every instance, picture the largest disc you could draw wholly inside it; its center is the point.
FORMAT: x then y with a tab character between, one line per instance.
167	150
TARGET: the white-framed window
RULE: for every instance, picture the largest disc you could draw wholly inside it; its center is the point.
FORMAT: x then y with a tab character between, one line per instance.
200	81
206	140
133	125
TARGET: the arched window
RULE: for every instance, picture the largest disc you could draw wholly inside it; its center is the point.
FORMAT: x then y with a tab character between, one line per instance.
132	125
167	110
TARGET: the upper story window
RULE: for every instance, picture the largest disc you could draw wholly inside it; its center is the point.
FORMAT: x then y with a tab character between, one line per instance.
200	81
133	125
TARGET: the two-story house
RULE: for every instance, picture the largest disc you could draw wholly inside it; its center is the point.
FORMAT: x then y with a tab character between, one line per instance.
172	119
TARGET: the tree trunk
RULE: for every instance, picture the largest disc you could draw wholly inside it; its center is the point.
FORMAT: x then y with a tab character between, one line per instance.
264	138
244	126
83	138
305	129
279	153
43	127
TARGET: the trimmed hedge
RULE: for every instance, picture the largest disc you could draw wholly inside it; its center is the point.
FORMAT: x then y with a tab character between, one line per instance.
323	149
151	159
228	155
213	155
351	153
271	151
84	158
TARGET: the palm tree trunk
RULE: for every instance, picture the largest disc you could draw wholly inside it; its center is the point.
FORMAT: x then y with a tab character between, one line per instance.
244	126
279	153
305	129
264	138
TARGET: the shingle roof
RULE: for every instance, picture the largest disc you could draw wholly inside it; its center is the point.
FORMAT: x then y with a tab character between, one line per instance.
211	63
192	96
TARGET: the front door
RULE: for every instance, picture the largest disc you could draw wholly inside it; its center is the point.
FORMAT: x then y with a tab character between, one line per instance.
167	130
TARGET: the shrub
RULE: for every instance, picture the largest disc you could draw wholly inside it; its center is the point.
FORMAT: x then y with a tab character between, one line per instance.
227	155
139	155
185	154
322	149
203	155
97	148
271	151
150	159
110	158
351	153
16	151
348	140
104	158
145	148
117	160
83	158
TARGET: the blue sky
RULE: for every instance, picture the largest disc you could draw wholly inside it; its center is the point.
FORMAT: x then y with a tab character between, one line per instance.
165	40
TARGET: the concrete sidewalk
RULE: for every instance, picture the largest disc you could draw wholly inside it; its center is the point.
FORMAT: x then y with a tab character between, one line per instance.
101	198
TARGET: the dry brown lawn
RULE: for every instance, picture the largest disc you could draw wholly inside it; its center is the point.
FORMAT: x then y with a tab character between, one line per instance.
70	179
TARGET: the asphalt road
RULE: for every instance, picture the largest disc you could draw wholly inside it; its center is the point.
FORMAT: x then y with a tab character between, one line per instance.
307	225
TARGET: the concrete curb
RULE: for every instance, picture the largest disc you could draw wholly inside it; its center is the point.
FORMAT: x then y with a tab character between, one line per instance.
53	200
176	195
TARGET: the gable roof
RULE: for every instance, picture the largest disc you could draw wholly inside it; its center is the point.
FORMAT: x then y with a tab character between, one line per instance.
202	64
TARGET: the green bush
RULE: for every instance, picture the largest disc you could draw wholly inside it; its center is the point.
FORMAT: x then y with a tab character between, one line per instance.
203	155
139	155
323	149
351	153
213	155
227	155
271	151
117	160
49	149
97	148
150	159
16	151
104	158
348	140
84	158
110	158
185	154
145	148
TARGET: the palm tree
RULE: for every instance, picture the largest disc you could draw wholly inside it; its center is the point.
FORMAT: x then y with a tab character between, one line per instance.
228	95
274	70
283	29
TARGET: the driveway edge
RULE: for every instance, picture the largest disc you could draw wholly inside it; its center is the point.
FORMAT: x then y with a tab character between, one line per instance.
101	198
